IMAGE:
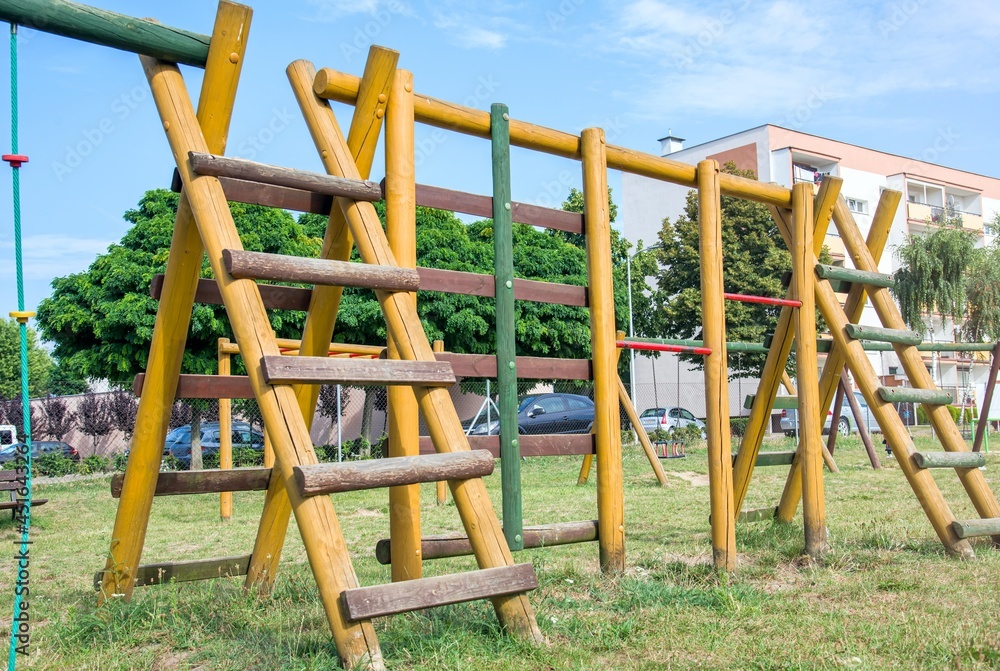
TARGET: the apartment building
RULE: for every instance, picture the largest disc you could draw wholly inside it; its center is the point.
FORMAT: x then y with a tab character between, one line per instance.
932	193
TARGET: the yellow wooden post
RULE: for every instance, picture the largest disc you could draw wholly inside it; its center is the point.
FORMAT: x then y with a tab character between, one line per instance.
402	321
607	420
807	371
173	316
225	431
317	521
440	487
268	450
400	228
713	319
325	300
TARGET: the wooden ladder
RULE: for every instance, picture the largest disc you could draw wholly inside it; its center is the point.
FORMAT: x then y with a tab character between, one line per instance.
282	386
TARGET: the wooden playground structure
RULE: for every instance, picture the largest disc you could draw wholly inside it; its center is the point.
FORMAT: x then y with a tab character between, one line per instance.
286	383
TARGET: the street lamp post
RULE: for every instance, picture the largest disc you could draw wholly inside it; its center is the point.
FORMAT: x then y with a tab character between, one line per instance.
631	325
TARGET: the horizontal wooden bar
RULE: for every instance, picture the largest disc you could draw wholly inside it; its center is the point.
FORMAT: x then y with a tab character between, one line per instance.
543	445
826	272
242	264
262	173
528	367
660	347
879	334
205	386
457	545
730	346
253	193
757	514
775	458
970	528
108	29
274	297
342	87
824	345
762	300
482	206
478	284
185	571
170	483
949	459
324	370
351	476
911	395
780	402
365	603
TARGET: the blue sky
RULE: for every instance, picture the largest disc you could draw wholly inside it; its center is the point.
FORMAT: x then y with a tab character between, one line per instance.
890	75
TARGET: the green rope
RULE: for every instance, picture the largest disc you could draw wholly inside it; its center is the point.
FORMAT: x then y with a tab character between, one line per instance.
20	570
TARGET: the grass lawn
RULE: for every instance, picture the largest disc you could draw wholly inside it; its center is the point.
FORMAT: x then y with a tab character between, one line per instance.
886	597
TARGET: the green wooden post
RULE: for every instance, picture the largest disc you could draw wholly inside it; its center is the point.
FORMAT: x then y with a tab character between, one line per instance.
503	271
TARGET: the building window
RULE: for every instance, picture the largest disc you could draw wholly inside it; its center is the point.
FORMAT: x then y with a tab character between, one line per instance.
893	370
857	205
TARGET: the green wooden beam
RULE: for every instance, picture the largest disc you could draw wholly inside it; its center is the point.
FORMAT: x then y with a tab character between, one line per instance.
756	515
730	346
780	402
851	275
949	459
970	528
108	29
879	334
503	255
824	345
911	395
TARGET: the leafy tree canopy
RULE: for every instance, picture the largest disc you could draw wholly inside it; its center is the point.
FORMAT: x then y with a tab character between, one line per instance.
754	260
40	366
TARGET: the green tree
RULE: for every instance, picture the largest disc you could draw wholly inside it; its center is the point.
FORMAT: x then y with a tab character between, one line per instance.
754	260
982	321
40	365
101	320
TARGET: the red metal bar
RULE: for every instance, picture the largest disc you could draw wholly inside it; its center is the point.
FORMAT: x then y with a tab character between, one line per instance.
653	347
763	300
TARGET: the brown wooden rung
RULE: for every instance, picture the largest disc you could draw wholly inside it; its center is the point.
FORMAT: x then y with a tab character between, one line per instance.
350	476
171	483
242	264
365	603
205	386
542	445
324	370
185	571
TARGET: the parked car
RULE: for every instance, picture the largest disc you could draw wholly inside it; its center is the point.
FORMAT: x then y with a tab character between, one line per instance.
39	448
178	443
669	418
546	414
846	425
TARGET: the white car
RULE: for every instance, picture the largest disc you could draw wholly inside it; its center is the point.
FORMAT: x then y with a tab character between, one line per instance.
668	418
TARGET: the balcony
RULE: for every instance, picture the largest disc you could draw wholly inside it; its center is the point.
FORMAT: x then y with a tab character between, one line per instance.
937	216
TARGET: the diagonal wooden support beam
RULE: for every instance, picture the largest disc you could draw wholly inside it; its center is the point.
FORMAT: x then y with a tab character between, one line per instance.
173	316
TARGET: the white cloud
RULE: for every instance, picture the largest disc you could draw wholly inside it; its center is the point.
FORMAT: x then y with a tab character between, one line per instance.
48	255
330	10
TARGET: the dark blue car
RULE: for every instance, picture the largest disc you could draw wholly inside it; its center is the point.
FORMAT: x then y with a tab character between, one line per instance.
545	414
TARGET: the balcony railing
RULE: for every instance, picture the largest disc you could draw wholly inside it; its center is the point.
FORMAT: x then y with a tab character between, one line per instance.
940	216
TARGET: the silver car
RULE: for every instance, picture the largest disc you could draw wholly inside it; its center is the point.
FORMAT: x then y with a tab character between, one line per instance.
668	418
846	425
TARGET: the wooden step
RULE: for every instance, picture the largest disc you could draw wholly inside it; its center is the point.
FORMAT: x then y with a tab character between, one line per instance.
203	482
185	571
949	459
457	545
324	370
852	275
911	395
251	171
260	266
329	478
757	514
783	458
204	386
365	603
879	334
780	402
970	528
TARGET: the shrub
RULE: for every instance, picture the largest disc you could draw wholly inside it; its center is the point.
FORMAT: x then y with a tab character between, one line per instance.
246	456
170	463
921	415
94	464
119	461
738	426
210	460
54	465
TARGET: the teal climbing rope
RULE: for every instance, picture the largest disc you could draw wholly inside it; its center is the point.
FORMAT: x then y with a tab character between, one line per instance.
19	625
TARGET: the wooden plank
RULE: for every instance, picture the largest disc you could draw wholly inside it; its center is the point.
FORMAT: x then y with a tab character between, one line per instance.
912	395
170	483
260	266
851	275
365	603
351	476
757	514
457	545
879	334
274	297
970	528
780	402
185	571
775	458
324	370
528	367
108	29
262	173
482	206
205	386
949	459
541	445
